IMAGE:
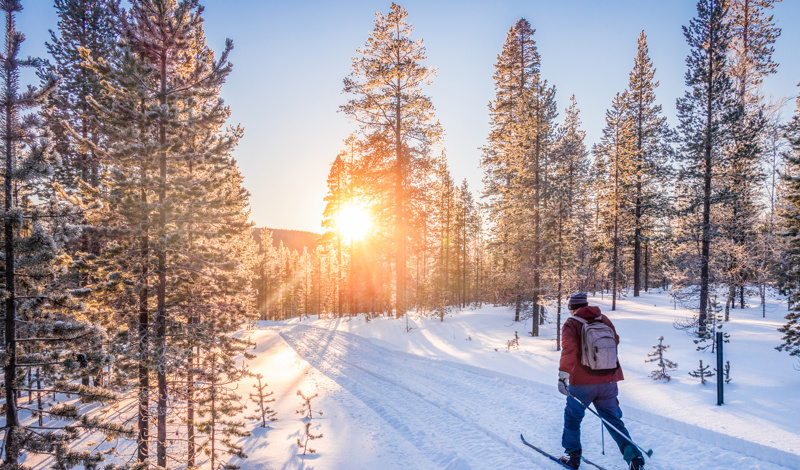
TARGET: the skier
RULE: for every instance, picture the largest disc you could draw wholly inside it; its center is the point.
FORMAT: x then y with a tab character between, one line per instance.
598	387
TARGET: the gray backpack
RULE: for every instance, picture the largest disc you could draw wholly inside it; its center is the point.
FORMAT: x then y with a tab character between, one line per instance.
598	346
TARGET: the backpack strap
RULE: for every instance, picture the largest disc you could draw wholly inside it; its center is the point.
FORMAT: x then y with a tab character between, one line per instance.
586	322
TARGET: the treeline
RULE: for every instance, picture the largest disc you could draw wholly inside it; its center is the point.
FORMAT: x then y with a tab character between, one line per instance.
128	254
699	209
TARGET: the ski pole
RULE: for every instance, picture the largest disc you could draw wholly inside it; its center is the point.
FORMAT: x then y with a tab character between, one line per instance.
603	438
649	453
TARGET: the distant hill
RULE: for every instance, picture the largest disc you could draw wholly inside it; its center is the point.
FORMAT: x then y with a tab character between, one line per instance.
292	239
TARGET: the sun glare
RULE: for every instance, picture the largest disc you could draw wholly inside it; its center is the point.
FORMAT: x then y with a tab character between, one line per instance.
354	222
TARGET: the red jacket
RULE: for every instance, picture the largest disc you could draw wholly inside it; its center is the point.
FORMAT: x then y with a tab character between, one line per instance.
571	351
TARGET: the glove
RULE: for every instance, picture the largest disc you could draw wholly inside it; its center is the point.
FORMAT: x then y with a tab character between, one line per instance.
563	379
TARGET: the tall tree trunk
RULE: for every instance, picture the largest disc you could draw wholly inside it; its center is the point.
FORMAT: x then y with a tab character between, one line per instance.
615	253
537	234
741	297
647	265
190	428
705	247
161	255
559	293
637	231
400	238
143	418
10	323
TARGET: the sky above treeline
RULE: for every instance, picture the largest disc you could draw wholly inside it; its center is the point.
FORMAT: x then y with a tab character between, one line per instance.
290	58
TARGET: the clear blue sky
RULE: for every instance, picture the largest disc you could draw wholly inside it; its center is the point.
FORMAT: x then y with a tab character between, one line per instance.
290	58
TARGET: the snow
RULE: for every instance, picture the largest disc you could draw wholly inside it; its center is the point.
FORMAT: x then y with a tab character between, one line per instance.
448	395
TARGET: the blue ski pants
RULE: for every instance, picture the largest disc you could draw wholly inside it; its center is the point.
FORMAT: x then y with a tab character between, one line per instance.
604	398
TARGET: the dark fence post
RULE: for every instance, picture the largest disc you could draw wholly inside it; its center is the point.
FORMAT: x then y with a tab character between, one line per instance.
720	376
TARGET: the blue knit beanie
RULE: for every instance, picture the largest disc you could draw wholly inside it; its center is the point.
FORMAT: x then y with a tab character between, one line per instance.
577	301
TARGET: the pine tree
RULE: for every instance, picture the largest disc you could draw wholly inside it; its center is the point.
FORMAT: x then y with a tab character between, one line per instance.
664	364
43	328
338	197
650	142
467	228
705	113
726	372
568	184
446	227
306	410
386	81
615	159
702	372
84	27
180	210
515	163
753	34
218	401
308	438
266	282
707	339
790	216
261	397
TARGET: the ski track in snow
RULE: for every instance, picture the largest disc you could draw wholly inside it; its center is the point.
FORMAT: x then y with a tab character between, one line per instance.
463	417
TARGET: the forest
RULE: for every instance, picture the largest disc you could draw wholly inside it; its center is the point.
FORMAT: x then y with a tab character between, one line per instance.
131	263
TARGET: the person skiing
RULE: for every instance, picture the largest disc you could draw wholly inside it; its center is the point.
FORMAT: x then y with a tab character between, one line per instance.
579	379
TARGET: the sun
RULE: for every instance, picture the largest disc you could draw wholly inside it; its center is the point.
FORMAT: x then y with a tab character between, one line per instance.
354	222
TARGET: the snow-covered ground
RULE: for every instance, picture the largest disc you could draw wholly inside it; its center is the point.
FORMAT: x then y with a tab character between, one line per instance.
448	395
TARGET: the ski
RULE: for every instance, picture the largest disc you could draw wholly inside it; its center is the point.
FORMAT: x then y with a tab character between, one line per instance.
592	463
549	456
555	459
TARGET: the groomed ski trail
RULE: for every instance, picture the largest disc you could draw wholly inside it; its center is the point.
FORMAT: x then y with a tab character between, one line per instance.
462	417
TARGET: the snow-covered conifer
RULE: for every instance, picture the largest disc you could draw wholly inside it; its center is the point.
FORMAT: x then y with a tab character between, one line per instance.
651	150
664	364
306	409
514	163
753	33
790	216
386	80
702	372
705	113
43	332
303	444
179	211
569	193
261	398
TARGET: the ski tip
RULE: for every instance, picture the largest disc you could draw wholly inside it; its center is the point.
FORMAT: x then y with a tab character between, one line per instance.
649	453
